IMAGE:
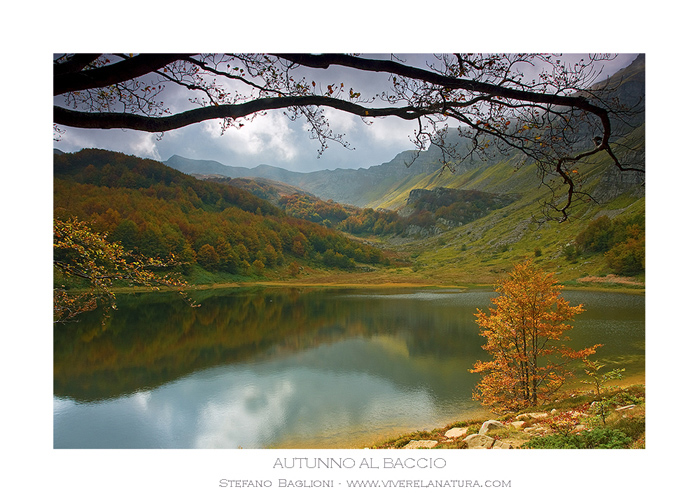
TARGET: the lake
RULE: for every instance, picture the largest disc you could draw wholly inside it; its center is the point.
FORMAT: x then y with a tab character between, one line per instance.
292	367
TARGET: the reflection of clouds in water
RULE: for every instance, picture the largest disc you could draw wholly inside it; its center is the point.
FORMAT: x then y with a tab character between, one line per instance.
61	405
306	404
270	403
310	397
141	398
245	417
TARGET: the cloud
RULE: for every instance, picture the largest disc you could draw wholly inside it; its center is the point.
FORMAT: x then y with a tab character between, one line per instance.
137	143
392	131
269	138
383	131
342	122
145	145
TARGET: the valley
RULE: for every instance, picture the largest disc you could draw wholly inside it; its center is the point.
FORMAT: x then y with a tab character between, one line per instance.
434	238
466	223
419	218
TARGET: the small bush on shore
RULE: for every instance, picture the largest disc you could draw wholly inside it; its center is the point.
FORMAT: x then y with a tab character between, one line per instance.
597	438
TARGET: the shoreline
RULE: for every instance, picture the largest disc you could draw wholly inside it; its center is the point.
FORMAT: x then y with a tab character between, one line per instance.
438	432
602	284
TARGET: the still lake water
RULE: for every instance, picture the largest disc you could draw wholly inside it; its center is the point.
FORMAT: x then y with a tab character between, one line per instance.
291	368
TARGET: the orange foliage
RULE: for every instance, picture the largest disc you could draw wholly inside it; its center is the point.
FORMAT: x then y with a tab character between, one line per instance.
524	335
88	256
159	212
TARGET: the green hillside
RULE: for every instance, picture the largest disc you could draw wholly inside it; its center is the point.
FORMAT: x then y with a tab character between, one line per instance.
482	250
428	219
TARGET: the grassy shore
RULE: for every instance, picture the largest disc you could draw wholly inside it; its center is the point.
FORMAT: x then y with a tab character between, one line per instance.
574	420
386	278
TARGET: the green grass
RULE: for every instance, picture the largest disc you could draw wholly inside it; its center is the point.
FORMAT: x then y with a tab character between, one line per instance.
197	275
483	250
597	438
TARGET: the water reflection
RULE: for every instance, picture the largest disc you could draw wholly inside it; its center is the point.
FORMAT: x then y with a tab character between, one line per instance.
154	339
277	368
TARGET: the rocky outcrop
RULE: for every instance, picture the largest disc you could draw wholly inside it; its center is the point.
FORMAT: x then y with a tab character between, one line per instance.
486	438
421	444
456	432
478	441
513	431
490	425
474	441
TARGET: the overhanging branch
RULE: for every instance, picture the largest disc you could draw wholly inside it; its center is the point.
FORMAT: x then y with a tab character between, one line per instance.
138	66
377	65
107	120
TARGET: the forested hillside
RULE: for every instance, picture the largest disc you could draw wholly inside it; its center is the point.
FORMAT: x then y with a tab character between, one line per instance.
426	212
160	212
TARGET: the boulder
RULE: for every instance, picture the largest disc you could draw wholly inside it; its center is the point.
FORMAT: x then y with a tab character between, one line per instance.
421	444
478	441
517	424
456	432
500	444
490	425
531	415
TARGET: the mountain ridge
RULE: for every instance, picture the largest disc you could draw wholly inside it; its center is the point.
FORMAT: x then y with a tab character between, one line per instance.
386	185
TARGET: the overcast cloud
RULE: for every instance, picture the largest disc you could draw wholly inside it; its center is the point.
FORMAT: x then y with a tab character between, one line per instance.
275	140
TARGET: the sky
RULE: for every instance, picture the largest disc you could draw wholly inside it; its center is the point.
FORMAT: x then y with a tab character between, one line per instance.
275	140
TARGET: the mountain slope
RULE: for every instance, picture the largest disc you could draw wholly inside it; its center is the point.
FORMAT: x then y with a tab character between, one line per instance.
482	249
158	212
388	185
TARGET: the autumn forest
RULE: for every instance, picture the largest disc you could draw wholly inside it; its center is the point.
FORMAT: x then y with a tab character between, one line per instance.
159	212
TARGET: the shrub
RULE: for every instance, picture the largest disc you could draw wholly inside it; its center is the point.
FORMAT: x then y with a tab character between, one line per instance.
570	252
633	427
626	398
622	242
597	438
627	257
597	236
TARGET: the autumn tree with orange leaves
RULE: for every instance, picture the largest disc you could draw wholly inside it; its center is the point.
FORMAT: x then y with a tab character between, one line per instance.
525	336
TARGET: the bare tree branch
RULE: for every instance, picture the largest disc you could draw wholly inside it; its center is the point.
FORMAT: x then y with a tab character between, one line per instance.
157	124
132	68
74	63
